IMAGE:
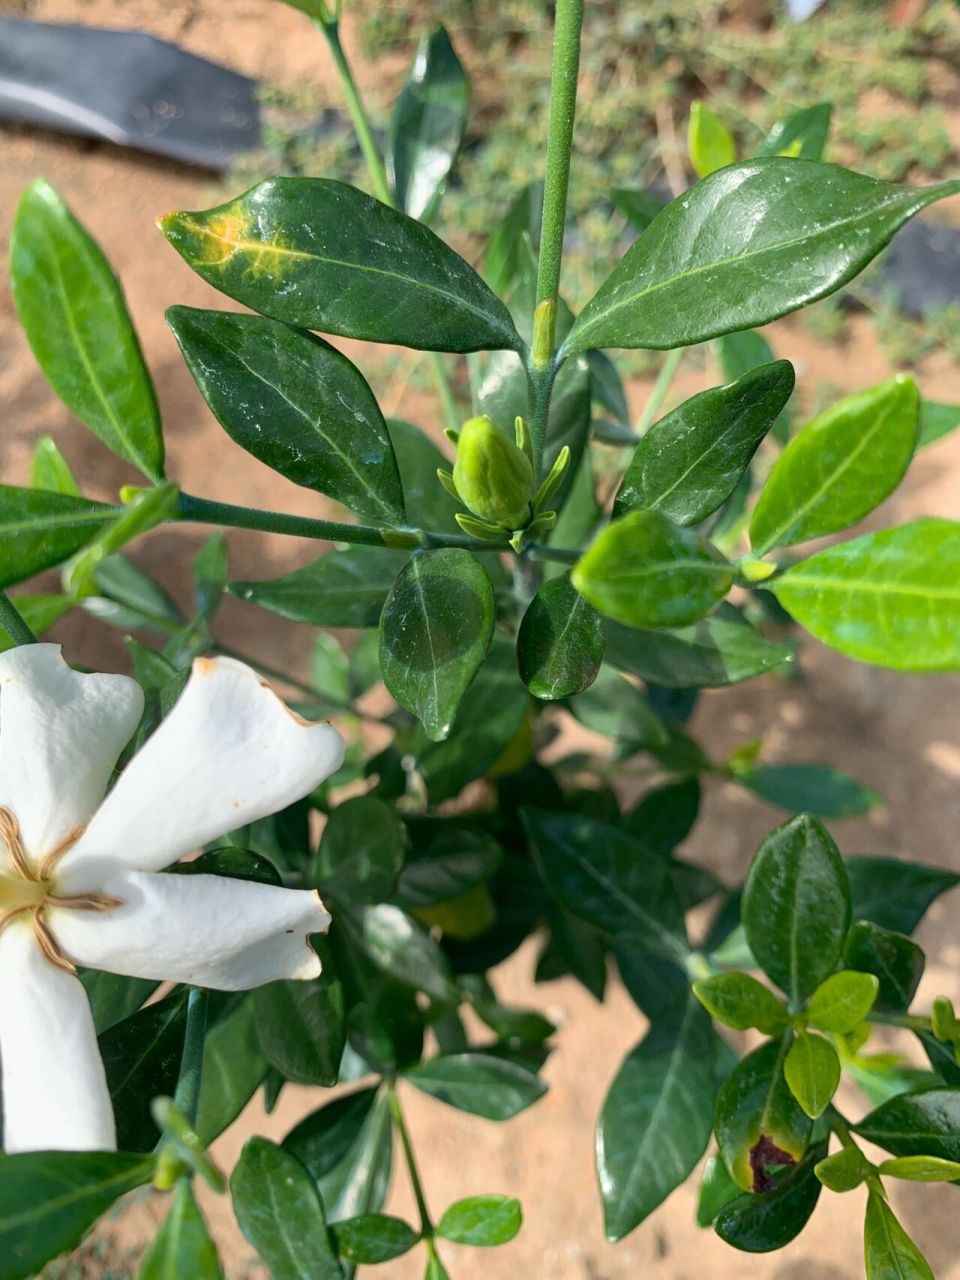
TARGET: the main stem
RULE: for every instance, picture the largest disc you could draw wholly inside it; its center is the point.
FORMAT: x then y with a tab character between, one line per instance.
13	622
381	189
400	1124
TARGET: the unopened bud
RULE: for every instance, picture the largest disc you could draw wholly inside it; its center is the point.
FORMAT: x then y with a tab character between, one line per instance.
494	478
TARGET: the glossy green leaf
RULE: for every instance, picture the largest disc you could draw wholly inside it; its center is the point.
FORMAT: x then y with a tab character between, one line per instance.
741	1002
917	1124
608	878
435	631
400	947
50	469
796	906
428	504
750	243
141	1057
645	571
889	1253
656	1119
842	1001
814	788
481	1220
358	1181
768	1221
891	598
709	142
479	1083
280	1212
427	125
73	313
372	1238
839	466
301	1029
446	861
616	708
321	255
936	421
942	1057
113	998
717	1189
719	650
325	1137
39	529
296	403
361	851
805	129
233	1069
183	1246
49	1199
341	589
894	960
812	1072
561	642
759	1124
666	815
921	1169
844	1170
894	892
689	463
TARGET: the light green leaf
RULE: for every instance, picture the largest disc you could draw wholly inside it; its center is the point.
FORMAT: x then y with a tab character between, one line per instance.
891	598
812	1072
709	141
844	1170
741	1002
842	1001
183	1247
372	1238
921	1169
481	1220
889	1252
645	571
767	237
807	127
73	313
51	470
839	467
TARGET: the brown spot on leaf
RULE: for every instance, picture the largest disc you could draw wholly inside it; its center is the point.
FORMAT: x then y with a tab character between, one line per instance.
763	1154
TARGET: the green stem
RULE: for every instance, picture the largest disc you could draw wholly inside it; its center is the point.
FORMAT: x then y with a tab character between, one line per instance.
540	383
381	189
563	105
400	1124
187	1096
660	388
909	1021
13	623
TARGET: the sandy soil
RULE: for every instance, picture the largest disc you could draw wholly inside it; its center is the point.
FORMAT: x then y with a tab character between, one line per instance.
898	734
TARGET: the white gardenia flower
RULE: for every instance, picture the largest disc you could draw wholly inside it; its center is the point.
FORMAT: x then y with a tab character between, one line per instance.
79	882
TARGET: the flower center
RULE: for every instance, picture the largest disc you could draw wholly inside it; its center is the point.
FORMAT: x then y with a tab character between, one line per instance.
26	888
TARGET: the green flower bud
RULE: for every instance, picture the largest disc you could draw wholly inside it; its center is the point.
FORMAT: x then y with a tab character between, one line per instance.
493	477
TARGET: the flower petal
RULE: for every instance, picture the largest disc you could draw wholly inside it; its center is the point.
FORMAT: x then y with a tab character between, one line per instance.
209	931
60	735
230	752
54	1089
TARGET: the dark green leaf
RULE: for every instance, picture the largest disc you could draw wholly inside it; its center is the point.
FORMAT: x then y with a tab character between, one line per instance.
428	504
399	946
891	598
806	129
839	467
816	788
49	1199
760	1126
478	1083
943	1058
321	255
606	386
889	1253
427	125
280	1212
113	998
301	1029
183	1247
717	1189
141	1056
446	864
741	1002
894	960
689	463
373	1238
812	1072
361	851
895	893
435	631
645	571
133	599
638	207
295	403
656	1119
796	906
325	1137
340	589
516	236
358	1182
211	567
561	642
770	1220
617	709
609	878
481	1220
719	650
665	816
917	1124
233	1069
767	237
73	313
234	863
936	421
39	529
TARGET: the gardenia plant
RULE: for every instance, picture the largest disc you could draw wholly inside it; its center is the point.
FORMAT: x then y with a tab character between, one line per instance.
492	599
